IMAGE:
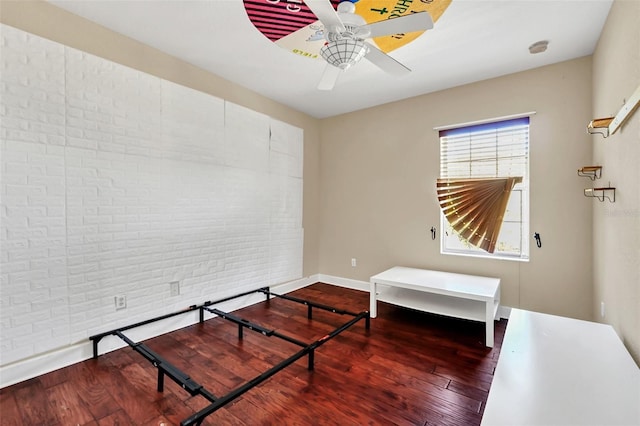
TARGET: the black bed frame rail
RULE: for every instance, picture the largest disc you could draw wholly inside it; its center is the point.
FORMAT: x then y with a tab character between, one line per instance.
183	380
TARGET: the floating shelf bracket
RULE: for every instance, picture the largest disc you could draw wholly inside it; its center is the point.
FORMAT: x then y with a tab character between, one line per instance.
600	126
608	126
592	172
601	193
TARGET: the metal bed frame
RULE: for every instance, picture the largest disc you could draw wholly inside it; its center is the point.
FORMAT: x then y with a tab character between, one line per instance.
165	368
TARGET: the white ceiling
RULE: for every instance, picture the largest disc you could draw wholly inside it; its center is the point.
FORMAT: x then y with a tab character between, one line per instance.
473	40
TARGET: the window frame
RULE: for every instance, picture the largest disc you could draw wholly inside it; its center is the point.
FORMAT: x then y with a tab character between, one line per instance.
523	189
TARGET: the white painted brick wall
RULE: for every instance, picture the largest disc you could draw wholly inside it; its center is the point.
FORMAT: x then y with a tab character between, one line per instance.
33	292
115	182
246	138
192	125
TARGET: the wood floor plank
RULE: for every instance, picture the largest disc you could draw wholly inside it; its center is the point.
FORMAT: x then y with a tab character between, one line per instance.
308	400
65	403
173	409
410	368
118	418
421	386
136	402
478	379
389	403
212	368
158	421
9	413
33	404
55	377
402	373
90	377
413	400
470	391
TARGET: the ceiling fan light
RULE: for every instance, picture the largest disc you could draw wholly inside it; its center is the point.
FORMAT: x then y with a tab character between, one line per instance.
344	53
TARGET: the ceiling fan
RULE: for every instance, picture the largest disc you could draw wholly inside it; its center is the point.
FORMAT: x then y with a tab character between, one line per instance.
346	33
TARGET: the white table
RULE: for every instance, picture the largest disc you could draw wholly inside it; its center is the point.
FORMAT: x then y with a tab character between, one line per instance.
444	293
560	371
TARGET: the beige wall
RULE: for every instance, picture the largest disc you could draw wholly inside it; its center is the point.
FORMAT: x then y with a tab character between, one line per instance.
378	169
48	21
616	227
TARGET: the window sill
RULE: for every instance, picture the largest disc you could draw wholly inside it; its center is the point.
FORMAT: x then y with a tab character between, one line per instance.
487	256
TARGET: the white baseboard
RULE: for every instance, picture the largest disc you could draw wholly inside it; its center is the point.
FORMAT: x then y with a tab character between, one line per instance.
344	282
295	285
28	368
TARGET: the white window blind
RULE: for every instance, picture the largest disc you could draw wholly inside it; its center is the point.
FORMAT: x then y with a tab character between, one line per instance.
499	149
490	150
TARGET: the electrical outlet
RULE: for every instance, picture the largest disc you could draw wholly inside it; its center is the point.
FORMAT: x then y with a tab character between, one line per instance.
121	302
174	288
353	262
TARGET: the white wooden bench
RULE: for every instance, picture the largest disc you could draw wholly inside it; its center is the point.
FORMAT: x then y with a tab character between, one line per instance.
456	295
561	371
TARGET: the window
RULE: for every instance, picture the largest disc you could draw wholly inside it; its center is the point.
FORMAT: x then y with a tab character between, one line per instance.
485	168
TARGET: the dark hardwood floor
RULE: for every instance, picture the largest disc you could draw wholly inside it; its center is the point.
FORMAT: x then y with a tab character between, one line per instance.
410	368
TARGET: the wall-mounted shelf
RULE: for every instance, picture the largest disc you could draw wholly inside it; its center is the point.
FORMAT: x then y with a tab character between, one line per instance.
601	193
592	172
608	126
